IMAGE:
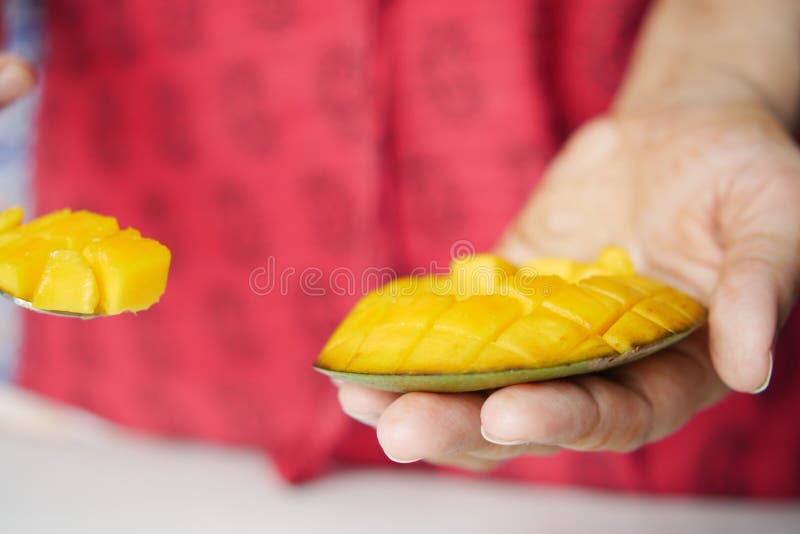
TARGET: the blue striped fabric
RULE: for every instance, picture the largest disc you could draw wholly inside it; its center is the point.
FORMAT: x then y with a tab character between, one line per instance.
22	18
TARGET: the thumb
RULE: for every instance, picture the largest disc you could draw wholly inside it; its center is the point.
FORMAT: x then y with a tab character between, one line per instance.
760	234
17	77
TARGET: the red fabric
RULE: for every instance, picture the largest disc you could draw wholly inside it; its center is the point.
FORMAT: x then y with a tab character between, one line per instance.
351	133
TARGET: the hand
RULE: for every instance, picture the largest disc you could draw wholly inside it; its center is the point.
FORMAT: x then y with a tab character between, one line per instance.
705	197
17	78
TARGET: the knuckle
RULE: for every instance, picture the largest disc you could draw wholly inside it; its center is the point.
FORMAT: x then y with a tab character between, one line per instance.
622	423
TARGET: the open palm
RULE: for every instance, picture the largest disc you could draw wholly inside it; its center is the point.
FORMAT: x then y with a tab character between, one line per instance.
705	198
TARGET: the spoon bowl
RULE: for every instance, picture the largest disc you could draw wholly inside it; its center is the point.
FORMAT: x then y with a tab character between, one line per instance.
22	303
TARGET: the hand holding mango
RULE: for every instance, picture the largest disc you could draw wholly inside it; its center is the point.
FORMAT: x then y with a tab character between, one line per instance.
80	263
693	172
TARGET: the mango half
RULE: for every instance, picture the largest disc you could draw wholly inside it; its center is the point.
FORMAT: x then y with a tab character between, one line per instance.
80	263
489	324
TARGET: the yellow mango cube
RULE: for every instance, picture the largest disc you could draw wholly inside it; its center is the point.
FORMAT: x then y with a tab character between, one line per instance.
595	312
493	357
131	271
560	267
80	228
482	274
21	265
67	284
633	330
531	290
543	336
616	289
10	218
33	227
385	347
350	334
457	335
593	347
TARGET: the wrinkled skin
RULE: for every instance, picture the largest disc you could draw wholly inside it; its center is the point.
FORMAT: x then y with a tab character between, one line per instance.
706	198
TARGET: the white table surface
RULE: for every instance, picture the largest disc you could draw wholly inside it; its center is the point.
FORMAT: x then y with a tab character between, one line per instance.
64	472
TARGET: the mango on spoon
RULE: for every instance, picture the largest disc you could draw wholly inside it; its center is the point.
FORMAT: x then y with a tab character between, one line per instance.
79	264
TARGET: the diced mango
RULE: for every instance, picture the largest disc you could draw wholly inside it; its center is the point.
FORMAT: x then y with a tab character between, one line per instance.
497	324
593	347
91	252
610	261
80	263
67	284
531	290
551	267
481	316
493	357
131	271
482	274
21	265
596	312
543	336
439	350
81	228
350	334
33	227
385	347
10	218
663	314
633	330
45	221
624	294
682	303
615	261
457	335
645	285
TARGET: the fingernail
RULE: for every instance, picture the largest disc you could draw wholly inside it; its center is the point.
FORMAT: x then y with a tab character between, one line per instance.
497	441
15	81
399	461
764	386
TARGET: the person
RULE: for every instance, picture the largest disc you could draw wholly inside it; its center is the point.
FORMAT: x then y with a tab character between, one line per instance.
357	134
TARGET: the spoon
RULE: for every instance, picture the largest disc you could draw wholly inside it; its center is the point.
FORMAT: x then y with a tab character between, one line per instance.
28	306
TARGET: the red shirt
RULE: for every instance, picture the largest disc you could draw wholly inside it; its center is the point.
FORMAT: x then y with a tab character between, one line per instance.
352	133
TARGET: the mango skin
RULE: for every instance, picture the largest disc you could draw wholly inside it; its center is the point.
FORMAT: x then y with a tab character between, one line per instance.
570	318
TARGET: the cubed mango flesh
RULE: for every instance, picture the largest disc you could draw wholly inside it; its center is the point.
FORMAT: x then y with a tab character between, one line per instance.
131	271
22	264
67	284
81	263
551	314
10	218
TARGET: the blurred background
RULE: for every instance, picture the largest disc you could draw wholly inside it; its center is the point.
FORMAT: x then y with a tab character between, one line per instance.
22	37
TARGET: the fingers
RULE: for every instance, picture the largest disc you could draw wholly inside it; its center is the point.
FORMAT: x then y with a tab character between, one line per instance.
436	426
16	78
757	282
744	319
364	404
443	429
618	411
423	425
